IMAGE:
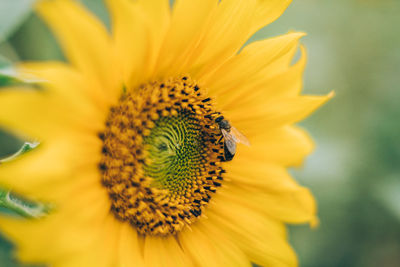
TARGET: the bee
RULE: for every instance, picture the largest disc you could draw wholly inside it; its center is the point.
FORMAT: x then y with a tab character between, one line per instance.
231	136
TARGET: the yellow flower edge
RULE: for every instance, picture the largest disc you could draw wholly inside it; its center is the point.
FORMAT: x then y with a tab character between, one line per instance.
257	89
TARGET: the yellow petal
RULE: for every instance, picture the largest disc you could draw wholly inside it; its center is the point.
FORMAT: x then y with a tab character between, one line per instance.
84	40
64	81
87	258
275	81
295	206
285	146
281	111
158	12
188	22
50	165
129	250
132	44
199	247
228	251
42	114
215	33
31	238
225	33
164	251
232	24
81	229
252	73
107	243
267	11
159	16
209	246
261	238
258	175
104	245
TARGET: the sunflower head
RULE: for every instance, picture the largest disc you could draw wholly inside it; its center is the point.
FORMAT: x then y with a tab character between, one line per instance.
162	155
141	137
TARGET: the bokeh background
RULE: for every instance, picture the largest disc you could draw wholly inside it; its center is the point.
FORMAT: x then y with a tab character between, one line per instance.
354	49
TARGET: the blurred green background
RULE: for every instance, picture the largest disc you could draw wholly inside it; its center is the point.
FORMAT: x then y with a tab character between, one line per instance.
354	49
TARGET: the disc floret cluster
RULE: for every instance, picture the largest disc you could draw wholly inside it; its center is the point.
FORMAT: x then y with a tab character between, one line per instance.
162	155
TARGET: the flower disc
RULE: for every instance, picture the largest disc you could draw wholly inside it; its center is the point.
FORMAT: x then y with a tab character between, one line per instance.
161	155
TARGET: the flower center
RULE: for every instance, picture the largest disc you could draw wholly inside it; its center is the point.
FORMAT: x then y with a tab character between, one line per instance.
161	156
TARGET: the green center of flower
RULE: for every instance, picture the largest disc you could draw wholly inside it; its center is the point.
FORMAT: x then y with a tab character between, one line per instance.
176	151
161	156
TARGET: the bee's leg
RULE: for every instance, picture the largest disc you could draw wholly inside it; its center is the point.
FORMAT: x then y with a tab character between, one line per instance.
219	140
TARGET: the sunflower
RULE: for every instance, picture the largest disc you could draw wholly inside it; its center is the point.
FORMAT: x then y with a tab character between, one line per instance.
140	152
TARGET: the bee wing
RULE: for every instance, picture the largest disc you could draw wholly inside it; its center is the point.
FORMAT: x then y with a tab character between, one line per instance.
239	137
230	141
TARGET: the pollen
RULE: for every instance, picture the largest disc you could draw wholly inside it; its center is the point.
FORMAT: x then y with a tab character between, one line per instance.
162	155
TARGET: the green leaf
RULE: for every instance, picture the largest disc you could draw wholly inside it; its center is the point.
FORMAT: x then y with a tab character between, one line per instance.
12	14
7	74
27	146
7	80
9	77
11	203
